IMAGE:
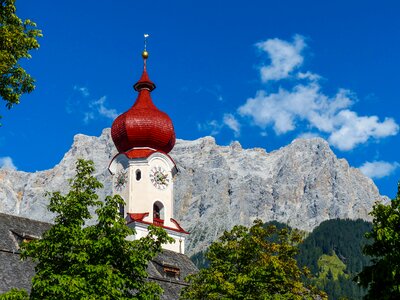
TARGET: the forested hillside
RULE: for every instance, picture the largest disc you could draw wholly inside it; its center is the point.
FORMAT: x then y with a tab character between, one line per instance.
333	253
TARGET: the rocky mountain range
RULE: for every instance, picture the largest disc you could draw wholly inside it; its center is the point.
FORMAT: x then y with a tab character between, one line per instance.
218	187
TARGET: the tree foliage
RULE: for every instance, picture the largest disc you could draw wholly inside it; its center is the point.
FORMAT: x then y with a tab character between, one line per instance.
15	294
17	38
252	263
383	277
75	261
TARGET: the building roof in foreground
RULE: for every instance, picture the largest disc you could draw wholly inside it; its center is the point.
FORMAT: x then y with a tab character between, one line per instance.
168	269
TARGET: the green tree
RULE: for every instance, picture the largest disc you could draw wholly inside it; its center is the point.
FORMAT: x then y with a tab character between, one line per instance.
15	294
17	38
75	261
250	263
382	277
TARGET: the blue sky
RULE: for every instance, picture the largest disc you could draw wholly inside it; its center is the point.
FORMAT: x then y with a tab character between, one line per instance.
260	72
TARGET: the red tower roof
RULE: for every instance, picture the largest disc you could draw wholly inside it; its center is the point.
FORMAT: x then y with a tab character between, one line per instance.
143	125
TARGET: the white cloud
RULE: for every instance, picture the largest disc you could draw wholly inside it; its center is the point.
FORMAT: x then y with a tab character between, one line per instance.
82	89
99	106
230	121
90	110
88	116
378	169
285	109
214	127
352	130
305	103
284	56
6	162
280	109
308	75
308	135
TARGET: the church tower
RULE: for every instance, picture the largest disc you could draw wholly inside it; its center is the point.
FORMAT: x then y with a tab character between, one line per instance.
143	172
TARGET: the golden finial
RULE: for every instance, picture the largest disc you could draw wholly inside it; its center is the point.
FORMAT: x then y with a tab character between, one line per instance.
145	54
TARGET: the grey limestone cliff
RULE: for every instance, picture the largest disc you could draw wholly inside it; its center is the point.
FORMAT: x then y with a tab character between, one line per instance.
217	187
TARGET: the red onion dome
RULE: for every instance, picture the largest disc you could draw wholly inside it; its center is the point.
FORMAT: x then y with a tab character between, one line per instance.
143	125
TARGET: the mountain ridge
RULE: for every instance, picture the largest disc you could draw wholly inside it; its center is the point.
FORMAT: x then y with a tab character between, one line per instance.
217	187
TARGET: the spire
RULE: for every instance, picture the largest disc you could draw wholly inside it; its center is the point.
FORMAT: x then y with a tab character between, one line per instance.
144	81
143	125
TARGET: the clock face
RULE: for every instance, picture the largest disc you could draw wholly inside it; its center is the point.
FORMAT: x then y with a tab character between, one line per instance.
159	177
120	180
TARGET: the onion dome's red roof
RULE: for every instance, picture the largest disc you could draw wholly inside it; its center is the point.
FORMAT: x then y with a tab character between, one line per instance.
143	125
139	153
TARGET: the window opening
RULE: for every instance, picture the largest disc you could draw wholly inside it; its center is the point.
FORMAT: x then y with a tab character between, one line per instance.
171	271
138	175
158	213
122	210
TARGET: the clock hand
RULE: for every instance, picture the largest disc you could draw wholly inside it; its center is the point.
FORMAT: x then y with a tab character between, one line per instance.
165	177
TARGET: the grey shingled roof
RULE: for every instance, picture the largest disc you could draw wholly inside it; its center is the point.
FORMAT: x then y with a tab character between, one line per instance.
13	271
171	286
17	273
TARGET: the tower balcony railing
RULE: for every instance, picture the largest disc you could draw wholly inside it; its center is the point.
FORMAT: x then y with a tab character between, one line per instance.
158	222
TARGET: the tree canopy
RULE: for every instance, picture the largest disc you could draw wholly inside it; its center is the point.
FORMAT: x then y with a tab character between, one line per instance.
75	261
252	263
382	277
15	294
17	38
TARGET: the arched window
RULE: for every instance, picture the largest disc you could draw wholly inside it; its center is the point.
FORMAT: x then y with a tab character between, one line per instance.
138	175
158	213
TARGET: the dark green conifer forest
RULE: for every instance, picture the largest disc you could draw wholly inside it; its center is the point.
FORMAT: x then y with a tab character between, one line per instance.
333	253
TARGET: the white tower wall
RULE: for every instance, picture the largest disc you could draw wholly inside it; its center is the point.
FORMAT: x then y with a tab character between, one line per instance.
141	191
